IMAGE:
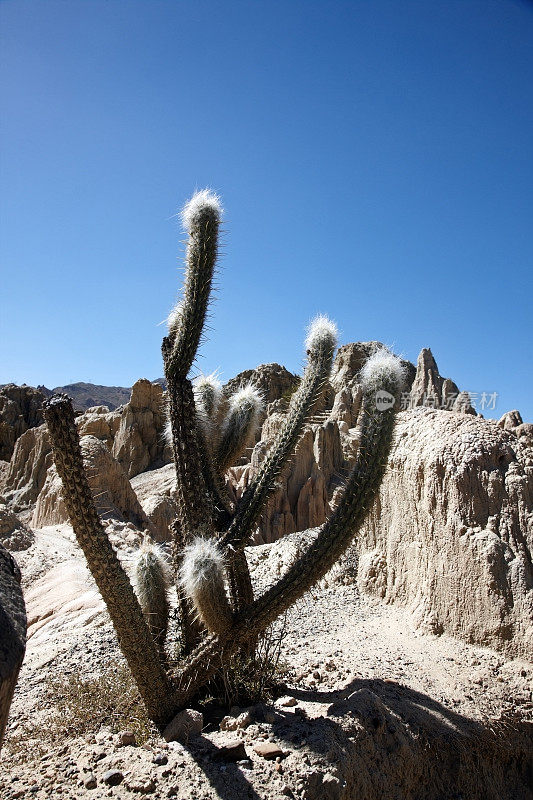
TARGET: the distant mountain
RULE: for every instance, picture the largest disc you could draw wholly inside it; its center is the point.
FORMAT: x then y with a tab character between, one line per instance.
85	395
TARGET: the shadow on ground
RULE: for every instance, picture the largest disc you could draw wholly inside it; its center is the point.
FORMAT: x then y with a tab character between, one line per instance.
379	739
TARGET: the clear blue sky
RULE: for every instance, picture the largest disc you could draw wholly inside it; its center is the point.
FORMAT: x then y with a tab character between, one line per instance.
375	158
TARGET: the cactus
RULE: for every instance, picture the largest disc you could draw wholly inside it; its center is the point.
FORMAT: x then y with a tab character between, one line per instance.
238	427
152	583
202	578
218	612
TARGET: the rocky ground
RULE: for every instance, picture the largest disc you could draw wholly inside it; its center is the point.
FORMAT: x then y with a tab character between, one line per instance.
371	707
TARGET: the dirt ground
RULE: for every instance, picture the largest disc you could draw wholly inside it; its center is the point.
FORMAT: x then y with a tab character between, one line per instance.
371	708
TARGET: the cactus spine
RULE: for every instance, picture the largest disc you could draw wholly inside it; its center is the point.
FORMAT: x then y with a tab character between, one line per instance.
208	434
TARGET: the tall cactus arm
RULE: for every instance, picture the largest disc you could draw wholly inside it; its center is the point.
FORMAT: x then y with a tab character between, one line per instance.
382	376
195	508
201	218
383	373
321	342
134	637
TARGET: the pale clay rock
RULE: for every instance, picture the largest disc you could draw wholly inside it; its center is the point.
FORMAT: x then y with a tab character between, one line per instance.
139	443
100	422
14	534
111	489
451	532
32	456
510	420
433	391
154	490
20	409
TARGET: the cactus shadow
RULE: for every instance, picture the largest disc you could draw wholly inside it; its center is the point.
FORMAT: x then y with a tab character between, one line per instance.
227	778
382	716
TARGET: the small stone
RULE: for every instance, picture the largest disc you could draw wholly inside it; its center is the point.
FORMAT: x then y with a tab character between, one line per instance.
234	723
125	739
269	750
186	724
34	788
245	763
113	777
143	784
330	666
160	759
90	781
228	724
286	702
316	675
232	750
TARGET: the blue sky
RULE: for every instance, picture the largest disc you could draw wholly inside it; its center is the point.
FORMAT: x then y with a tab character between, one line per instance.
375	159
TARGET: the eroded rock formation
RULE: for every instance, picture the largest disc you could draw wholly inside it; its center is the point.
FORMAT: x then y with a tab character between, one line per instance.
14	534
20	409
154	490
112	492
451	533
430	389
27	469
139	442
273	380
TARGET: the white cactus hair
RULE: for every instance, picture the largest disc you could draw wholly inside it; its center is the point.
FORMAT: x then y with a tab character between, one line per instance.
246	398
322	332
174	318
383	370
149	548
202	564
202	579
207	383
167	432
200	201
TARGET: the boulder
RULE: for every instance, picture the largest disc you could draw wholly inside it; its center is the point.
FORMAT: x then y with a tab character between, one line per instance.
510	420
451	532
112	492
155	489
139	442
